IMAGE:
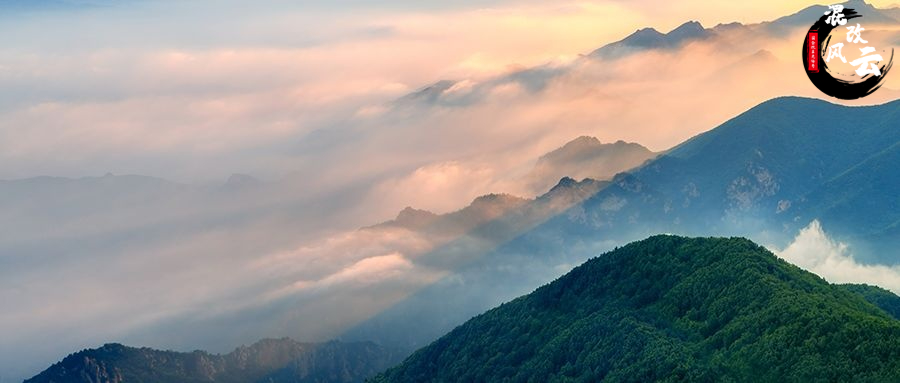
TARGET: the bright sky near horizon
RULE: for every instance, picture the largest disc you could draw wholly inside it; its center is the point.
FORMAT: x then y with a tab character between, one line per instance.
215	87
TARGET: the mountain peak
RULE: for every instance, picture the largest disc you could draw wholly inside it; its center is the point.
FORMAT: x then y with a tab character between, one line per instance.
496	199
428	94
585	157
587	146
113	347
688	27
697	309
566	182
570	185
649	38
648	31
279	360
410	217
691	30
585	140
809	14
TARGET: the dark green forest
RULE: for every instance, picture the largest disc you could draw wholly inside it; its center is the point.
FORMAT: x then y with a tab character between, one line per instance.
673	309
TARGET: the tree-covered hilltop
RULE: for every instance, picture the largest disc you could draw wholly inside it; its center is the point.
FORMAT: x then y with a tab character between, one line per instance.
266	361
673	309
888	301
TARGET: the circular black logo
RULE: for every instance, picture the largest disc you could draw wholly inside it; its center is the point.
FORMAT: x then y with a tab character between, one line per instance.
856	75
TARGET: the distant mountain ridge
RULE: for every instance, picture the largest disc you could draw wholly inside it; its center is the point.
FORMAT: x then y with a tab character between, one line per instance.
766	173
672	309
723	36
650	38
269	361
692	31
770	170
475	234
585	157
809	15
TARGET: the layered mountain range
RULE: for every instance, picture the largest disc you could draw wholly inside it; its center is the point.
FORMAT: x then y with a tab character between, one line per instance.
712	61
764	174
460	236
692	31
585	157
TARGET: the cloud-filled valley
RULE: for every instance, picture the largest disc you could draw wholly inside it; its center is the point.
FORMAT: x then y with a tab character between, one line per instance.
341	125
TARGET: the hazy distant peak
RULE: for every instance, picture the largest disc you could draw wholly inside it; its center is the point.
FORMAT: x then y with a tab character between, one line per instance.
569	184
410	211
691	30
488	207
649	38
589	141
430	93
411	218
576	145
727	26
688	29
585	158
482	209
812	13
644	35
585	148
643	38
584	139
566	182
496	199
